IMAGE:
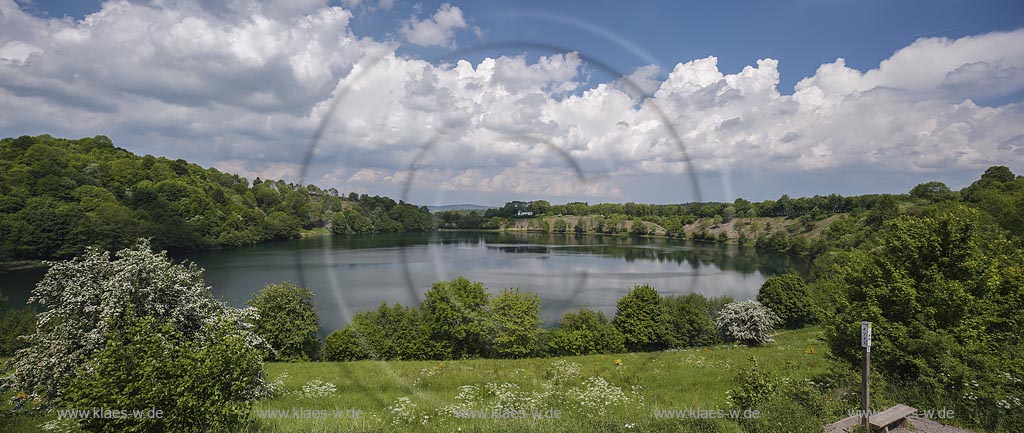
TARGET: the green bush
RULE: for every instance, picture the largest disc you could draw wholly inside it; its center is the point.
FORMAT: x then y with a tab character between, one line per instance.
788	297
390	332
691	323
14	323
755	387
199	385
516	324
945	293
344	345
747	322
287	321
585	332
456	316
717	303
644	320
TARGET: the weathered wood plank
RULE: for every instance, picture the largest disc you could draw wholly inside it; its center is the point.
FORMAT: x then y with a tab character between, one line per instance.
889	416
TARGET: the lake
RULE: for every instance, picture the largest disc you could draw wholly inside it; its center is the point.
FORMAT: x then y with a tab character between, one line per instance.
356	273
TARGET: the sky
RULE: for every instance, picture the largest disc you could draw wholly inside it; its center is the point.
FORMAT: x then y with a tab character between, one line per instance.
486	101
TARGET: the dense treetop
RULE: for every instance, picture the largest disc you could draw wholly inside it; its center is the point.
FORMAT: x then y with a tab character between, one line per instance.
58	196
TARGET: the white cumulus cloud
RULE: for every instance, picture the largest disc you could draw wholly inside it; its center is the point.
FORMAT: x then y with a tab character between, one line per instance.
244	87
437	30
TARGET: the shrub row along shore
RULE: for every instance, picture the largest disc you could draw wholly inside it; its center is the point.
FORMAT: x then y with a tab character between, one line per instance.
460	319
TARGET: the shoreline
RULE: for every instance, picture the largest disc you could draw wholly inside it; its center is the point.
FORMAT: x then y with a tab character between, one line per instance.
20	265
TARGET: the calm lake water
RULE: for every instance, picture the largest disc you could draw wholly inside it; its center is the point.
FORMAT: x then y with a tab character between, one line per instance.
355	273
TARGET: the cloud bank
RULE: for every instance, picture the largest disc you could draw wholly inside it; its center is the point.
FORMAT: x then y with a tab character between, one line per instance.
243	87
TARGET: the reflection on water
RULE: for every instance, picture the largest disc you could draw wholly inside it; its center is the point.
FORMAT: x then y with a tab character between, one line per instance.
355	273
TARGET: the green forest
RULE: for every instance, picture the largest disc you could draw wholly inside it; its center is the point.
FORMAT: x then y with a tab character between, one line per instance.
59	196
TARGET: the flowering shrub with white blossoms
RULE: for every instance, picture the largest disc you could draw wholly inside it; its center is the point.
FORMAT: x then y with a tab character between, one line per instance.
748	322
89	298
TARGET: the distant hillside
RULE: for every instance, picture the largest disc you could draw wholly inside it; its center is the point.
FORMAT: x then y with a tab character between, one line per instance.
450	207
59	196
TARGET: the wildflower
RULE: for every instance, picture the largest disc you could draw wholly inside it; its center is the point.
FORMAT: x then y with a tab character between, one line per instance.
618	362
810	350
317	388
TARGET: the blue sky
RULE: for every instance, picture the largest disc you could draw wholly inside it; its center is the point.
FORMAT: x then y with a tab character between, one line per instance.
242	88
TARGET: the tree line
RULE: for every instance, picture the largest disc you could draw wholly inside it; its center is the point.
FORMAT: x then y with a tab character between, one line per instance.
998	192
59	196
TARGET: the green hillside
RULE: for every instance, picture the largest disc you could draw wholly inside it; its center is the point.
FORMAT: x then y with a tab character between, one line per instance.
58	196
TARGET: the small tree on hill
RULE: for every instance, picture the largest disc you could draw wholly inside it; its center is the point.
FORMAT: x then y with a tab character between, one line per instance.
585	332
456	316
644	321
788	297
691	321
516	324
287	321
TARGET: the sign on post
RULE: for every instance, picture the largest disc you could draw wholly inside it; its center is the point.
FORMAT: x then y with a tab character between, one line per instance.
865	335
865	342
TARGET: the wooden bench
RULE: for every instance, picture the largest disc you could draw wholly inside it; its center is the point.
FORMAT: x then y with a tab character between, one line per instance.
890	418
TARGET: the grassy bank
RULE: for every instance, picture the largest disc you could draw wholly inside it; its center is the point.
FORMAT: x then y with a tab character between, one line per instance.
694	378
624	401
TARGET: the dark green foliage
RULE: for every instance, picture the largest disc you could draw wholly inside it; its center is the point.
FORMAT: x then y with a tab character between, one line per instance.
199	386
280	225
932	191
788	297
715	304
644	320
59	196
515	324
756	387
288	321
13	324
945	292
389	332
691	323
884	209
1000	194
782	405
585	332
345	345
457	317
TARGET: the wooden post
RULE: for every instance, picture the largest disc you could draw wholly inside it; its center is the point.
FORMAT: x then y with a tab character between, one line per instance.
866	388
865	342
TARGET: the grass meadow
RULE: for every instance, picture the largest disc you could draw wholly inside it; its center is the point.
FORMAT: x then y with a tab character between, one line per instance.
600	393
